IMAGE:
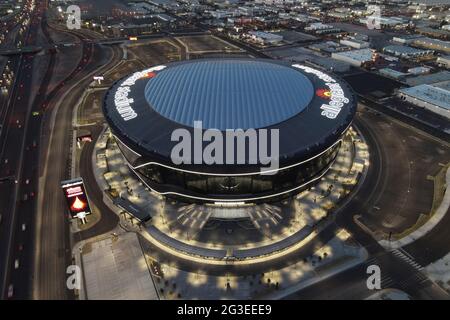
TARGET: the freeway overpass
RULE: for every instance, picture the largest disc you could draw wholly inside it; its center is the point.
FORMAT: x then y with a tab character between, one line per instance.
11	51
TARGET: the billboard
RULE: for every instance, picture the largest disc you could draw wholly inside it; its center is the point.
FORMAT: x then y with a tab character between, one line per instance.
76	198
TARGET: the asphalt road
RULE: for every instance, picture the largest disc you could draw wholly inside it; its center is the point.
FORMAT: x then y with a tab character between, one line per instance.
18	127
22	151
109	219
407	157
53	251
396	272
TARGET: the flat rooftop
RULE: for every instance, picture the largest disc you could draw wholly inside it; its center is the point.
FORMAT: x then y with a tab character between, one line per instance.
429	78
360	55
403	49
430	94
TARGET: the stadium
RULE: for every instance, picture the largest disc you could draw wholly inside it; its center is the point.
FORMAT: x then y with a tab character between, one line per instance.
306	110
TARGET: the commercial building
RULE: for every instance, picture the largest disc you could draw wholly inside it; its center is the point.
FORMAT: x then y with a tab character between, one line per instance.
320	28
435	33
430	97
357	44
354	57
444	61
434	44
428	78
419	70
406	52
406	39
328	47
391	73
212	100
385	22
265	37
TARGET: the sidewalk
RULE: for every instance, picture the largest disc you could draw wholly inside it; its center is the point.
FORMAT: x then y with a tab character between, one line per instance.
334	257
114	268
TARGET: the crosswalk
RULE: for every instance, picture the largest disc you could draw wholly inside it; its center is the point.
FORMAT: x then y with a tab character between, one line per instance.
413	280
417	279
405	256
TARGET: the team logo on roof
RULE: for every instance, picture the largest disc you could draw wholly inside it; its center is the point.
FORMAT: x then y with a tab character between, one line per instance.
149	75
323	93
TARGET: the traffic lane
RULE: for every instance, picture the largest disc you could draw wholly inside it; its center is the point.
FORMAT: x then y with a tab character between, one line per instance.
351	284
389	196
109	219
54	226
5	100
433	246
347	285
23	276
409	160
363	198
6	188
21	262
50	274
11	151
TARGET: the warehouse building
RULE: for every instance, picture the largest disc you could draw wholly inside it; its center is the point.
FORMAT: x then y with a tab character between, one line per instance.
406	52
356	58
433	98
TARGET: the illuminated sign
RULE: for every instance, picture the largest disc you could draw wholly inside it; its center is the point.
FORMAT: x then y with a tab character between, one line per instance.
133	38
122	100
84	138
76	198
99	79
337	98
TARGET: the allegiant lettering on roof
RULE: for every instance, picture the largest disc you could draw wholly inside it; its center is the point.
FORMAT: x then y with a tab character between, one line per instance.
122	101
337	100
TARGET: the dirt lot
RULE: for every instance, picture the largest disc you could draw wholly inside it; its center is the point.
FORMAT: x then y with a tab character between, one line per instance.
207	43
154	52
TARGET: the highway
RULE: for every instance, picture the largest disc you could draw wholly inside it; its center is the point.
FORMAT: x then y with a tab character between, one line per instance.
24	130
15	129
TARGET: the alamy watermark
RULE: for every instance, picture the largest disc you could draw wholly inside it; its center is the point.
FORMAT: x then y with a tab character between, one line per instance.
374	280
232	146
73	17
374	20
74	279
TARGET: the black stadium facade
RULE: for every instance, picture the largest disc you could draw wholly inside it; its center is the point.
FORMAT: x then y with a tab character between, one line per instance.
311	111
